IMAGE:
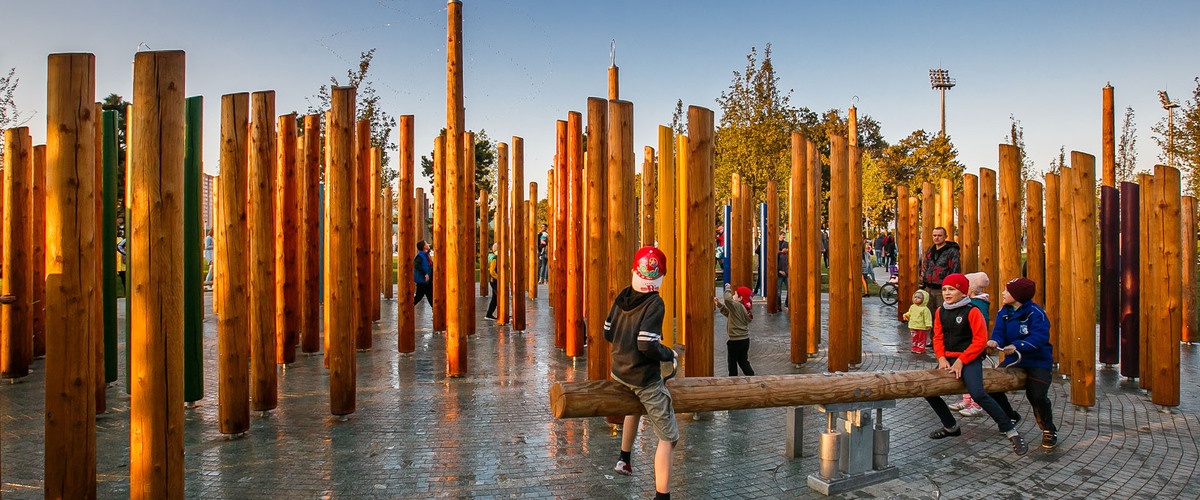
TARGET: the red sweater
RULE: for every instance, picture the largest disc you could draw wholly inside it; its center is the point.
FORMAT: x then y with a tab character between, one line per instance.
979	337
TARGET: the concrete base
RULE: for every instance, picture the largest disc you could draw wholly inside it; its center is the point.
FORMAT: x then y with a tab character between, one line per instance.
849	483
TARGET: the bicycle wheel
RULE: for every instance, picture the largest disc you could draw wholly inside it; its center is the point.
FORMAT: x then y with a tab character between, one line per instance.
889	294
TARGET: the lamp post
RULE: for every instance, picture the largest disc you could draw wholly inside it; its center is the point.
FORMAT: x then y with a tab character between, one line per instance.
1170	106
940	80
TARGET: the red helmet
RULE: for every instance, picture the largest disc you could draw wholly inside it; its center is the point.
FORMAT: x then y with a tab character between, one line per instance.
649	263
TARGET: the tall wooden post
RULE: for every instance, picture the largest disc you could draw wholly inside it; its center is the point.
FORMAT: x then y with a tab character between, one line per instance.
441	205
770	249
1108	137
1110	238
1083	277
264	395
519	240
468	166
648	193
989	242
575	236
857	247
841	275
375	223
503	235
1147	303
533	232
388	214
1053	269
683	243
363	269
1188	253
814	257
665	223
1167	323
904	290
1130	275
946	204
1035	240
700	244
406	239
340	308
734	232
622	224
37	258
156	323
70	259
558	239
798	276
485	246
460	320
1009	216
312	240
232	282
287	250
928	220
16	319
968	227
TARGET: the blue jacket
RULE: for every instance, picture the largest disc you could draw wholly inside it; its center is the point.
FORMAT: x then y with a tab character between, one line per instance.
422	266
1027	329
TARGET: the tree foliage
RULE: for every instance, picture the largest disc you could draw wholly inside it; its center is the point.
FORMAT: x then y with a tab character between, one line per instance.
920	157
367	108
485	162
1127	148
1185	146
10	116
1057	163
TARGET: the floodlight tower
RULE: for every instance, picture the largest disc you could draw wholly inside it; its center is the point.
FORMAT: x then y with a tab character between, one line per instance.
1170	106
940	80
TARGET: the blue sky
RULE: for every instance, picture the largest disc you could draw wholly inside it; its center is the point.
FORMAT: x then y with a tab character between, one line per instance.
530	62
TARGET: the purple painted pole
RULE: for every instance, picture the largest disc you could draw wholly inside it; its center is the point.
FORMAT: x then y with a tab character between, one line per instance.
1130	227
1110	275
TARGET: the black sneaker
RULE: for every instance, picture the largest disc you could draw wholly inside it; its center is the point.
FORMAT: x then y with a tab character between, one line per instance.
1018	444
1049	440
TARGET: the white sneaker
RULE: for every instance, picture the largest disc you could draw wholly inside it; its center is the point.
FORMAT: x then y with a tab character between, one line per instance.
958	405
973	411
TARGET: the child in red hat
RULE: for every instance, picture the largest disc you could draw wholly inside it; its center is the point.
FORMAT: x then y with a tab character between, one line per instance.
738	312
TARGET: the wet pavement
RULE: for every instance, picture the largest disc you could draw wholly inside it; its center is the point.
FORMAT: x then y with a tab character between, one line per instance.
419	434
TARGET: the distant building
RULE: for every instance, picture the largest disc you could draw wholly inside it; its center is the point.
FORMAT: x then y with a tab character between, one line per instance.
206	200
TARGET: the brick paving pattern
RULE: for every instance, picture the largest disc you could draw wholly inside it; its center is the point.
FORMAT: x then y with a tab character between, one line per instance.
419	434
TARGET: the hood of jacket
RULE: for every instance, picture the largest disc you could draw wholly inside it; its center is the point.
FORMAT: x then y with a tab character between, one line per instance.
630	299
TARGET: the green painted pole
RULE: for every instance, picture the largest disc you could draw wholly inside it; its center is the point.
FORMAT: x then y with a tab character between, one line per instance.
109	246
193	292
128	251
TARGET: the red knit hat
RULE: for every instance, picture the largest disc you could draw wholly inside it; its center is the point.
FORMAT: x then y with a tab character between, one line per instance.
958	281
1021	289
649	267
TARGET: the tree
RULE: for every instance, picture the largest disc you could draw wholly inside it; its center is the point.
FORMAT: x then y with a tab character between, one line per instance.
1127	148
368	108
1186	142
879	208
1016	138
1057	163
920	157
9	115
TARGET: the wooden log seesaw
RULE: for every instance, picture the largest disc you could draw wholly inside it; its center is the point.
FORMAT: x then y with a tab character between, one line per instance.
853	446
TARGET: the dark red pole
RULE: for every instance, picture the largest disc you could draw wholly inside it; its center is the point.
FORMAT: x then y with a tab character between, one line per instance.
1110	275
1130	253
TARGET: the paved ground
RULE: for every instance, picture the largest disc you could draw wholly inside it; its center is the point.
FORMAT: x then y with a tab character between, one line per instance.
418	434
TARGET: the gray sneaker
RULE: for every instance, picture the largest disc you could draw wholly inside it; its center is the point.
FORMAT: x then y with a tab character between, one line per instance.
1018	444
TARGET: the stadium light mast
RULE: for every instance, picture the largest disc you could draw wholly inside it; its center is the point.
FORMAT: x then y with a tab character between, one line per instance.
1170	106
940	80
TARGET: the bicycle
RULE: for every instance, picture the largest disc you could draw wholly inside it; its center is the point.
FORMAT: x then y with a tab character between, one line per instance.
889	293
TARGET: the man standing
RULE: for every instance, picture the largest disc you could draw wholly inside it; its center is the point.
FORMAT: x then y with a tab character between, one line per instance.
781	266
939	261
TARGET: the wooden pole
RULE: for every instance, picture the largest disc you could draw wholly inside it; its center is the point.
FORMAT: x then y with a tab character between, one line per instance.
389	255
683	243
520	241
614	83
156	323
375	222
989	242
857	245
968	241
264	391
460	320
558	240
573	178
1083	271
232	282
287	245
622	225
649	176
468	165
1107	133
1110	275
700	243
904	288
597	299
16	319
913	266
665	224
814	257
798	277
1009	216
1130	276
70	257
193	260
947	208
1167	323
37	258
1035	240
406	239
503	236
1188	272
484	245
770	250
1149	253
701	394
928	220
1053	267
363	268
533	233
841	276
310	184
441	204
340	308
736	232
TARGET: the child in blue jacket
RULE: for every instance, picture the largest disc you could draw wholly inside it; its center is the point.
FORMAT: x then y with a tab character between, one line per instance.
1022	326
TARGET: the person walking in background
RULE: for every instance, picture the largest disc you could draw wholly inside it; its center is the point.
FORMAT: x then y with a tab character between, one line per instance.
781	266
423	274
208	257
889	250
493	264
543	242
738	313
1022	326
